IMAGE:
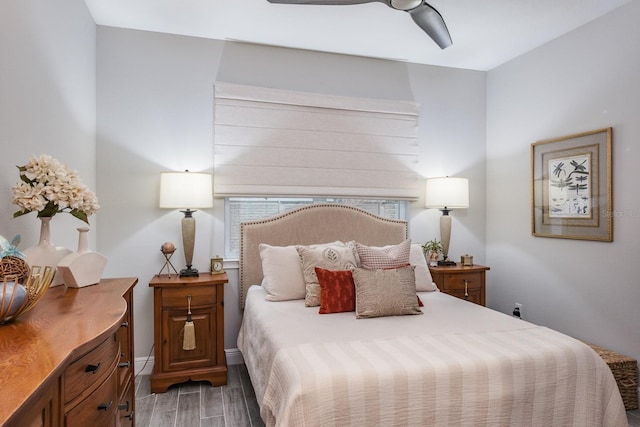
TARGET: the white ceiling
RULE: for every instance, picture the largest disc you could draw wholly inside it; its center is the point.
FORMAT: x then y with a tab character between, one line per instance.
485	33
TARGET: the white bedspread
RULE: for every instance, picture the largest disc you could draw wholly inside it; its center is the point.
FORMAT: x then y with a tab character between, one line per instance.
459	364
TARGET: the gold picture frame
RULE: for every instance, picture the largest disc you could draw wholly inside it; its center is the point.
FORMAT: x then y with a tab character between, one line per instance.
571	187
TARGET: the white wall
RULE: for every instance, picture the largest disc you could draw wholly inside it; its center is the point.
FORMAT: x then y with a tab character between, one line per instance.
583	81
47	103
155	113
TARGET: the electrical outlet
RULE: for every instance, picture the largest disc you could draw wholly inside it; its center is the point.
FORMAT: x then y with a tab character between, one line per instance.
517	311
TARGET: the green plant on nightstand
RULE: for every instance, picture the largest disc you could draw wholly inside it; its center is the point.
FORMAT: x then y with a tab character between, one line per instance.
432	250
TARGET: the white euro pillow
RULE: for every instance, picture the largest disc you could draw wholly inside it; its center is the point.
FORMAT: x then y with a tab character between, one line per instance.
424	281
282	273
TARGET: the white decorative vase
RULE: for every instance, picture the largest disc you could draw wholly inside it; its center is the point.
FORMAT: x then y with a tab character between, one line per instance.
85	267
46	253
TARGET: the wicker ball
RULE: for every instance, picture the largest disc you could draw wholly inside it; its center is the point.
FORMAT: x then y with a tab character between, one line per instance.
14	266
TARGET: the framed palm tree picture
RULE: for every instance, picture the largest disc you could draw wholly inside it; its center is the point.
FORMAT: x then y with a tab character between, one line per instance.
571	189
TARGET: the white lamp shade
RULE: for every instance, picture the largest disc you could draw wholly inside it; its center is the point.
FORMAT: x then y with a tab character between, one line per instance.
447	192
182	190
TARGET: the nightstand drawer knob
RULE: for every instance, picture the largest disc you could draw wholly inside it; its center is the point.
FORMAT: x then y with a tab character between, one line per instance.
466	289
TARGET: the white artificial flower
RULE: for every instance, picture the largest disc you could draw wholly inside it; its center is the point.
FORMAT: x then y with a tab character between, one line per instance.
48	187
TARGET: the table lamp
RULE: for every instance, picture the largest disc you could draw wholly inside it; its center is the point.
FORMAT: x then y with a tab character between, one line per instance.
186	190
446	194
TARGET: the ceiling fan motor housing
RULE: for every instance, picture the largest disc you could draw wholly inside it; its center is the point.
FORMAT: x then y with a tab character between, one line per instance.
404	4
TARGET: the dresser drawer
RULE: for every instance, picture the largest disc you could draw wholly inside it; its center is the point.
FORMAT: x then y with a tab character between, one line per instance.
90	369
457	281
99	409
201	296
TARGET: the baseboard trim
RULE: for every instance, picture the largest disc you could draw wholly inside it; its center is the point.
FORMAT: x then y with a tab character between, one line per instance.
234	357
144	365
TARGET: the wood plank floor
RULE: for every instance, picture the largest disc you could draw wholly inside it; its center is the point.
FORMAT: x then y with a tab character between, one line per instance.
195	404
634	418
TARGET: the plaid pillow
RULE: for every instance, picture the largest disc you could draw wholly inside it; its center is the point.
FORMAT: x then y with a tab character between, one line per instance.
392	256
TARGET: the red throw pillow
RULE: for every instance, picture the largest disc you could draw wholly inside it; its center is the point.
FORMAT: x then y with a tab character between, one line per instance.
337	291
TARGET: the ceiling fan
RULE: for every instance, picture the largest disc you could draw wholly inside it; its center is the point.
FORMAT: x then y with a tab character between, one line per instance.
424	15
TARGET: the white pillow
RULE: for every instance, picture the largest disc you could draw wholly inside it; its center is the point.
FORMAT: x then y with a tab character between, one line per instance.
282	273
424	282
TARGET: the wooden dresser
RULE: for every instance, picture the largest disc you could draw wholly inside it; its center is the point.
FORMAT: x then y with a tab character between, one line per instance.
69	361
465	282
206	362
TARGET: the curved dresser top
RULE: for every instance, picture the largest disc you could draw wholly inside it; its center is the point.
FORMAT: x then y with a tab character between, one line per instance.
63	325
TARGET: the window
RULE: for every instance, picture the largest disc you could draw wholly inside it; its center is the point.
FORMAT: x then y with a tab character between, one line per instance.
239	209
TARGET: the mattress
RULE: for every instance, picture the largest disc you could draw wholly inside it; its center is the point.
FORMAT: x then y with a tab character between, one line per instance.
458	364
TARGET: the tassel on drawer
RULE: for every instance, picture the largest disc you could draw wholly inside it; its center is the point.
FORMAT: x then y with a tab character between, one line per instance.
189	339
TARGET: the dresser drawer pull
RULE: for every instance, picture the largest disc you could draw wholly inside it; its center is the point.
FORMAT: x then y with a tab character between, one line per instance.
92	368
466	291
125	324
124	364
105	406
124	406
130	416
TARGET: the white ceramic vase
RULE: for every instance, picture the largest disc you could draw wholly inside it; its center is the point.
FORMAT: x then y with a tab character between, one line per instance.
46	253
82	268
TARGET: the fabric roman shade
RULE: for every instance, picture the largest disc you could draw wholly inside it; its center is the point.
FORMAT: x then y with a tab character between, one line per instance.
273	142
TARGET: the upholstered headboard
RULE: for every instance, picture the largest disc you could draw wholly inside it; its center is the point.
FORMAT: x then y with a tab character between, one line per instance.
308	225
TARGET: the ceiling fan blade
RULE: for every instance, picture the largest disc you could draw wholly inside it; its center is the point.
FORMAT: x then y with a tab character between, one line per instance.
325	2
432	23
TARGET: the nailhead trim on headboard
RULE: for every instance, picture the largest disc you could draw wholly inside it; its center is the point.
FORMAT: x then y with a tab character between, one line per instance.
312	224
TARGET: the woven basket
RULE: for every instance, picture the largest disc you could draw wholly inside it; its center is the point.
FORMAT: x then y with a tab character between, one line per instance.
625	371
14	302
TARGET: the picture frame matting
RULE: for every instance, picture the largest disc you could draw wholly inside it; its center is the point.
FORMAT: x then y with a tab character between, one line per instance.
571	187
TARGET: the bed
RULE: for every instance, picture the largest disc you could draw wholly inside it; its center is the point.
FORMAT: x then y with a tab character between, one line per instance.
453	364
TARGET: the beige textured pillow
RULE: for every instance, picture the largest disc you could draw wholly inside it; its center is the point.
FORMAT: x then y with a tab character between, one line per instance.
330	257
385	292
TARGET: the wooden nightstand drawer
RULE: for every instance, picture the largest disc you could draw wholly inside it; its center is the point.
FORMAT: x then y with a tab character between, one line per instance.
463	281
201	296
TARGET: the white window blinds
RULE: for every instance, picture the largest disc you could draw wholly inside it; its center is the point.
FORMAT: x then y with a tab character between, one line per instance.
273	142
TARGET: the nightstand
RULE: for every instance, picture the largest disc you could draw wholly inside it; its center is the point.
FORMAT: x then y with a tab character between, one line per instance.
465	282
173	364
